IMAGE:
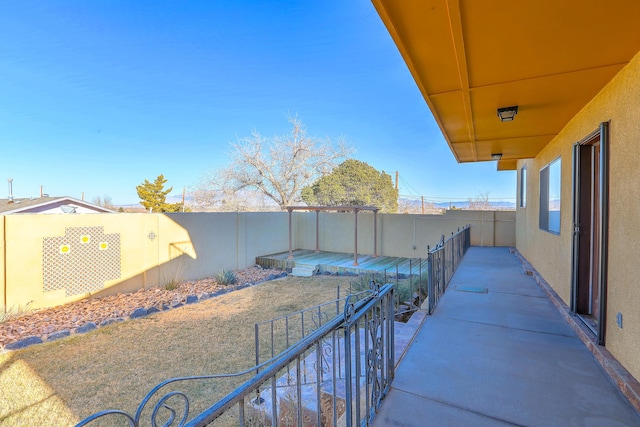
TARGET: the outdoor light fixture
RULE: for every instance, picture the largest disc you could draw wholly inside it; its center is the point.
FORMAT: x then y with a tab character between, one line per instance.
507	114
496	156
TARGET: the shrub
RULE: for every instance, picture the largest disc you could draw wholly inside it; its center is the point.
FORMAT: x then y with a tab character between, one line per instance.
13	313
171	284
226	277
406	289
362	283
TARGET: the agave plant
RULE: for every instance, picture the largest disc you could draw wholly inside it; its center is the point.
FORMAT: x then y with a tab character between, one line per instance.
226	277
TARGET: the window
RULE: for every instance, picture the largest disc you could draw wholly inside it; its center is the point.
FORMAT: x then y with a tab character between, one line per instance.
550	197
523	187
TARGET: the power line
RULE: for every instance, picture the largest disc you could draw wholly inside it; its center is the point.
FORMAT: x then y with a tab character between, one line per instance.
415	195
404	181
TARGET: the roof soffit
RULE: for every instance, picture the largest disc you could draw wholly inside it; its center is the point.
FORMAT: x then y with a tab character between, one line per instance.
471	57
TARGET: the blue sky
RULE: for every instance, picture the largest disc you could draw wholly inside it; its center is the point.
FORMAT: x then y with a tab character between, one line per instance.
97	96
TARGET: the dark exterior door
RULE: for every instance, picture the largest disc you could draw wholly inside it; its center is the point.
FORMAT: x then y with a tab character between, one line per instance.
590	219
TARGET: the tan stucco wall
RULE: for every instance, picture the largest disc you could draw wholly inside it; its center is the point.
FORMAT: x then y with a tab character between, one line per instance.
398	234
157	249
619	103
184	246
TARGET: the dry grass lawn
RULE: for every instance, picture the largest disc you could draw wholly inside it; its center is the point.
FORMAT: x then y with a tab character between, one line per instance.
60	383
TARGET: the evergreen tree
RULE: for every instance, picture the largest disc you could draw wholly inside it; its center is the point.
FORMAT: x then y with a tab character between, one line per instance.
353	183
153	196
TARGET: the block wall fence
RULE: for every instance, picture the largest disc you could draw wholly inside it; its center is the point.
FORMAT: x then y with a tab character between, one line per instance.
48	260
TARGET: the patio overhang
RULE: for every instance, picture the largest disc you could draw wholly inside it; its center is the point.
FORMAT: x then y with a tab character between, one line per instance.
547	57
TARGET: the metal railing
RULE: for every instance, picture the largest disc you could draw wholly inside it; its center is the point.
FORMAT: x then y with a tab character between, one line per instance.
443	260
425	279
274	336
336	375
410	282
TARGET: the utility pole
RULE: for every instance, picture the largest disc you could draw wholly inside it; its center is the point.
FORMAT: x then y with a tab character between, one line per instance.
422	205
182	199
397	176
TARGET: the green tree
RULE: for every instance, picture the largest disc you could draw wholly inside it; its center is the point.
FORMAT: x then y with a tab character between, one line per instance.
353	183
153	196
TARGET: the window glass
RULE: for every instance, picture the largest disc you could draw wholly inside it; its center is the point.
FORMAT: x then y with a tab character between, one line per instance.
523	187
554	197
550	197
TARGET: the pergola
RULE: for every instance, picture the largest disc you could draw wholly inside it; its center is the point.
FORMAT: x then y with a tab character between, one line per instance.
354	209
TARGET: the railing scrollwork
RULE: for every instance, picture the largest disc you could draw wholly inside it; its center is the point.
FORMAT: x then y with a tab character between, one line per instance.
338	373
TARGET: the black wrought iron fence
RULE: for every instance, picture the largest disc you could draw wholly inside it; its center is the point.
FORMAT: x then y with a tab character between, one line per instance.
443	260
410	280
424	278
336	375
274	336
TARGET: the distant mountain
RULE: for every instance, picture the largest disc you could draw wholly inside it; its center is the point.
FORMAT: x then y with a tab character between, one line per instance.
459	204
465	205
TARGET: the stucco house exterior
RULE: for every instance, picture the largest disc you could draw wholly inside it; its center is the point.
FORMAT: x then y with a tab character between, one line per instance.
49	205
566	77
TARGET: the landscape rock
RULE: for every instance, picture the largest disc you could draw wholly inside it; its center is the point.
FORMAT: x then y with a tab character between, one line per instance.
58	334
106	322
89	326
25	342
138	312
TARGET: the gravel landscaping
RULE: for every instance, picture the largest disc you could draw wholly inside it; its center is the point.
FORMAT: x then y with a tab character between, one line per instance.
82	316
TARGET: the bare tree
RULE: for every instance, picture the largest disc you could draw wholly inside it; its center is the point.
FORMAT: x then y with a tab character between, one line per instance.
105	202
230	201
481	203
277	168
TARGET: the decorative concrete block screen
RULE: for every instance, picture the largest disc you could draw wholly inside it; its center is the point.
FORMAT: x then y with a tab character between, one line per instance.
81	260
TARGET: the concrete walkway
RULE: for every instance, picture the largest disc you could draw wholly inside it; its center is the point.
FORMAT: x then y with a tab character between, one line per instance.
501	358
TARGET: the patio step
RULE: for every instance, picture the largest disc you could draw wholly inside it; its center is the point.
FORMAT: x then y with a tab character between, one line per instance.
304	270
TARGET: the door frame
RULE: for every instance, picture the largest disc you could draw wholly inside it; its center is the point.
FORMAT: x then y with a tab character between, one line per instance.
602	133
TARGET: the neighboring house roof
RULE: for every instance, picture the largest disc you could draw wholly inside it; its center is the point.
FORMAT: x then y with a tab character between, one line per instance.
50	205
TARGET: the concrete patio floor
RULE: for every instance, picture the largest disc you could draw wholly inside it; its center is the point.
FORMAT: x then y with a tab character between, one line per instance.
500	358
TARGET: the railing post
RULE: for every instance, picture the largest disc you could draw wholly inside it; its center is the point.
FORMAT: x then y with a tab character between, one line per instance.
391	340
355	243
347	374
454	253
431	288
290	245
317	231
257	342
444	268
375	233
